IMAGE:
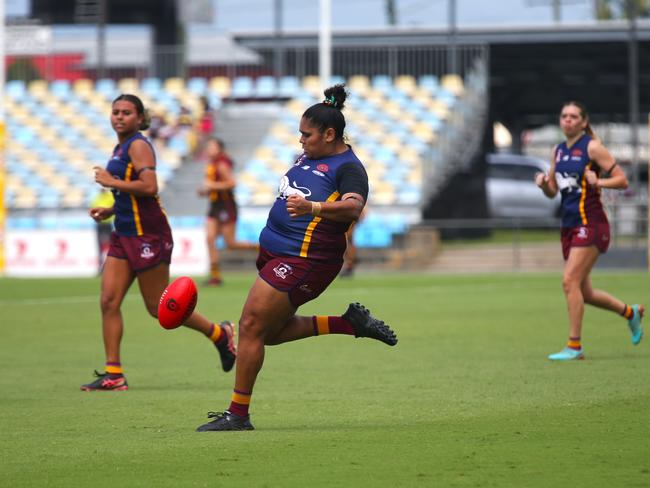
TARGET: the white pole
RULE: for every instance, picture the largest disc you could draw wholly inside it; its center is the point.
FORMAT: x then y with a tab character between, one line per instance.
3	211
325	43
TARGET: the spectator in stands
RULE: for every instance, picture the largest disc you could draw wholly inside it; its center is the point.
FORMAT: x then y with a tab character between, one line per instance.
141	244
302	252
578	169
205	127
155	131
185	130
218	187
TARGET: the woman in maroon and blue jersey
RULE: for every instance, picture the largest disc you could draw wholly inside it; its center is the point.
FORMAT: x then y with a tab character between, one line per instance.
577	171
219	187
301	252
141	244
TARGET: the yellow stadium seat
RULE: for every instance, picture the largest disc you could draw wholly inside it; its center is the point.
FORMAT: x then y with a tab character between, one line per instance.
385	196
73	198
359	83
220	85
264	153
175	86
406	83
453	83
37	88
312	85
263	197
25	199
128	85
82	86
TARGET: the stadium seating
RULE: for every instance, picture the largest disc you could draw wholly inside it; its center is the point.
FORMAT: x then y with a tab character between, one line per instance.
392	124
60	130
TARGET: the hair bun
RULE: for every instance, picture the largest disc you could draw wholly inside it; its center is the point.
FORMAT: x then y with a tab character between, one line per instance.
335	96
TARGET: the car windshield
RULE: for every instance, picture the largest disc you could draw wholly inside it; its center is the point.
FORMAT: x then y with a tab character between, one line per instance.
512	171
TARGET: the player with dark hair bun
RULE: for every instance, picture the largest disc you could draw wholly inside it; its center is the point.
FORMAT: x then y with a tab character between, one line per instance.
141	244
301	252
578	170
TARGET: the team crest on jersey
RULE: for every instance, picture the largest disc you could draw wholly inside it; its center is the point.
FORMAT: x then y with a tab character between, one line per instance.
568	182
576	154
286	189
323	167
583	233
146	252
283	270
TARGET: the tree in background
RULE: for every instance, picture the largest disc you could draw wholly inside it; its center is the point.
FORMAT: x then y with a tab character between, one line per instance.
22	69
619	9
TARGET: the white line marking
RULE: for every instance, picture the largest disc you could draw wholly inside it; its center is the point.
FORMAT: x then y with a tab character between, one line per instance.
56	300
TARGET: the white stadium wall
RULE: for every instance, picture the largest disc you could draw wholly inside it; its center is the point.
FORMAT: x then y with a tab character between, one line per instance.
66	253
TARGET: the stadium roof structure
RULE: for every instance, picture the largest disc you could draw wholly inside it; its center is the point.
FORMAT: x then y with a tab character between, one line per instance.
135	48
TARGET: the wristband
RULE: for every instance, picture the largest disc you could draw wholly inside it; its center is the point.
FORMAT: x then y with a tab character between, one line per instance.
315	208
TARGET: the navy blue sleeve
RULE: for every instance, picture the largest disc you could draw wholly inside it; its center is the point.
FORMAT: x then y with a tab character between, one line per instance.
352	178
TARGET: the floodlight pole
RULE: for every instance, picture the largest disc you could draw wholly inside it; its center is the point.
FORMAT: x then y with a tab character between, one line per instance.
278	55
452	62
101	38
633	85
325	43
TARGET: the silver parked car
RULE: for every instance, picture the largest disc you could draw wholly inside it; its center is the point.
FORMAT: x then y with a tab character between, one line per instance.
511	188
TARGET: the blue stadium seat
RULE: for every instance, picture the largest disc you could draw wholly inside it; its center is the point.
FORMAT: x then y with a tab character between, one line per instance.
48	199
370	234
214	100
23	223
382	82
16	89
242	87
336	80
61	89
265	87
151	86
197	85
106	87
289	87
429	82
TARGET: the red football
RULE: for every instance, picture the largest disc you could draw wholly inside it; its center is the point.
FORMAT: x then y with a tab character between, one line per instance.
177	302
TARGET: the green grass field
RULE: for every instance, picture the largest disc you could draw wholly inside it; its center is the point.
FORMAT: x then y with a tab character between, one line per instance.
467	397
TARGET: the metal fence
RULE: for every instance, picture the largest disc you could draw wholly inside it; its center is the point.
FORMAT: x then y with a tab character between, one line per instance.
518	244
148	61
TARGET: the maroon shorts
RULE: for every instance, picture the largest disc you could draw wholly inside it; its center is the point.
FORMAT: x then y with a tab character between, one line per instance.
224	212
301	278
585	236
144	251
